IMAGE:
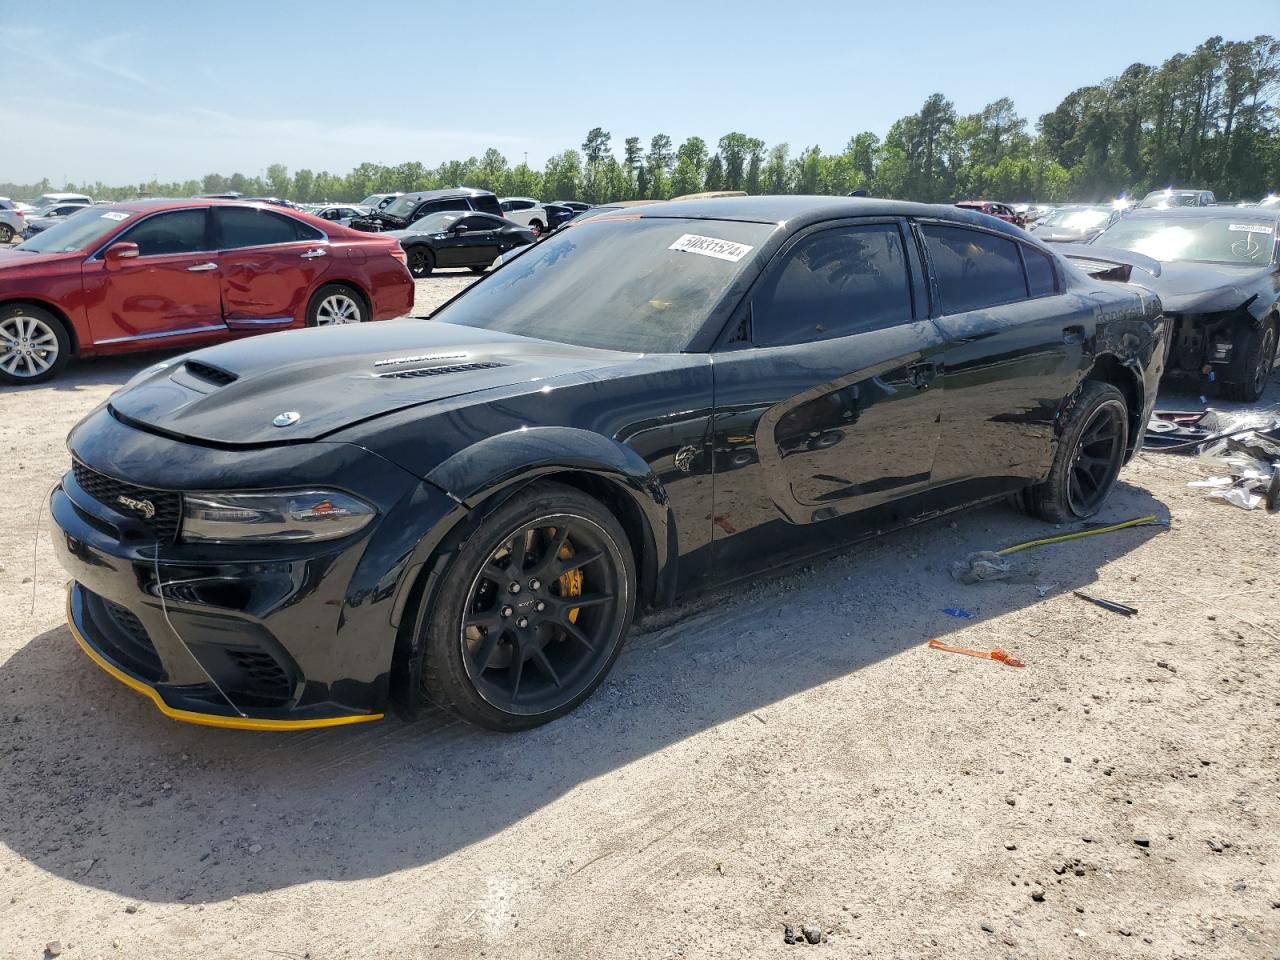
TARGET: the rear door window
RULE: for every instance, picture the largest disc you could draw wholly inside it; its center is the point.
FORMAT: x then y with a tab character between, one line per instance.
973	269
250	227
179	231
835	283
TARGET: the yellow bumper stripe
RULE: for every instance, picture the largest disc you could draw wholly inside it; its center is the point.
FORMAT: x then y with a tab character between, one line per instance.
205	719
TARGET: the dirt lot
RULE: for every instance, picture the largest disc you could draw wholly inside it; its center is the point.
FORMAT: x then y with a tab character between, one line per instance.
790	753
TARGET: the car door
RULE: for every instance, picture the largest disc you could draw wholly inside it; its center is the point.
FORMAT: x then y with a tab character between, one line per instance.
1015	349
476	240
269	264
825	404
169	290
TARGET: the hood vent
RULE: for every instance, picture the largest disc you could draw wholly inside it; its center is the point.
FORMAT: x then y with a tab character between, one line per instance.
209	374
439	371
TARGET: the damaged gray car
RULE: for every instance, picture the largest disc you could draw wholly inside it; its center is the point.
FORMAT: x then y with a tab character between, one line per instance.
1217	272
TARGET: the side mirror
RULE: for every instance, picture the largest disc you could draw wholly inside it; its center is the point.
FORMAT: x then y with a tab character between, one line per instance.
117	253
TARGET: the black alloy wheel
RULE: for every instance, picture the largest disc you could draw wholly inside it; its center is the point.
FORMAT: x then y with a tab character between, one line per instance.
1092	442
1099	454
532	612
1266	360
421	262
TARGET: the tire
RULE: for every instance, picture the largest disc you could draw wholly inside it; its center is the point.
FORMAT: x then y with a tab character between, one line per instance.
6	233
421	261
479	627
336	303
536	227
479	269
1091	449
34	345
1259	360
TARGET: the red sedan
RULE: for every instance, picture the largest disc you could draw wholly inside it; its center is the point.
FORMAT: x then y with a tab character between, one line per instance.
185	273
1001	210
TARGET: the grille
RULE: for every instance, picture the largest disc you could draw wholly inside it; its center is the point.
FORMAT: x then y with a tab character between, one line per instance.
261	675
168	505
210	374
440	371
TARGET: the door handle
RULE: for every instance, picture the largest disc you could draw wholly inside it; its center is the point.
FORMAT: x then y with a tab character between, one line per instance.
922	374
202	267
1073	334
312	254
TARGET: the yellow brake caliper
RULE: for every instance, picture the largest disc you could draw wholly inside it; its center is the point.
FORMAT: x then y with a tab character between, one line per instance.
570	582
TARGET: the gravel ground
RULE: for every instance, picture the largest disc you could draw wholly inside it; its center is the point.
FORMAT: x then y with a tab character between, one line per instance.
788	754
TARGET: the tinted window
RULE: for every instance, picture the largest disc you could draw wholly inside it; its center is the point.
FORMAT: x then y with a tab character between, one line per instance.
974	269
477	223
486	202
1042	279
182	231
833	284
435	206
248	227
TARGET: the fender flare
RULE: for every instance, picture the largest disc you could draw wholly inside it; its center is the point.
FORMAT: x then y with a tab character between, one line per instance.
501	464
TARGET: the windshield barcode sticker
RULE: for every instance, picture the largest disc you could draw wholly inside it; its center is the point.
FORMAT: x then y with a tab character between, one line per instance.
1250	227
115	215
711	247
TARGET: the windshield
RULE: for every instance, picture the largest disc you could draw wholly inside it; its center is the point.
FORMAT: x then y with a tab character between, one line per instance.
46	200
1163	200
1076	219
435	222
1208	239
643	285
76	232
401	207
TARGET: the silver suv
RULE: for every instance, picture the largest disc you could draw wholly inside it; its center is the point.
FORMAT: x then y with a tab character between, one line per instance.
13	223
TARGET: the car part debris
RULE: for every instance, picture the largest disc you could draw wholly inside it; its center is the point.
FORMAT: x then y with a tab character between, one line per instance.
991	565
1245	446
998	654
957	612
1121	608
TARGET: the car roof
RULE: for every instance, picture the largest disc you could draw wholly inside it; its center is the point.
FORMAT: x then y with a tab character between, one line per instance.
799	211
449	192
1206	213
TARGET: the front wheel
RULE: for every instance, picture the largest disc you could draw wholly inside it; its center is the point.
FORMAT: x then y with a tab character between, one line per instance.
336	304
421	261
536	228
1256	365
1091	449
532	611
479	269
34	345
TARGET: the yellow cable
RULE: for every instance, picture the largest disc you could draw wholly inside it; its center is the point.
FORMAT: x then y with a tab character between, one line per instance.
1074	536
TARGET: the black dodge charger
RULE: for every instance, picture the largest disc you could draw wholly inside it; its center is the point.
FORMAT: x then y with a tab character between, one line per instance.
306	529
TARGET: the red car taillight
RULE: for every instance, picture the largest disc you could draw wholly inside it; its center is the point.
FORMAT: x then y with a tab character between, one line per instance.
398	252
18	213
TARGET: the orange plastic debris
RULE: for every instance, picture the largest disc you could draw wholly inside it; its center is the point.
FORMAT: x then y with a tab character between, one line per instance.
998	654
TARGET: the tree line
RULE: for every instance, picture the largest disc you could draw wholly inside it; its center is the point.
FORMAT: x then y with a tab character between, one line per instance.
1204	119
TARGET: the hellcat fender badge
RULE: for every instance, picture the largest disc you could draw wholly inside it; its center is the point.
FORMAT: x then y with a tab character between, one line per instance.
286	419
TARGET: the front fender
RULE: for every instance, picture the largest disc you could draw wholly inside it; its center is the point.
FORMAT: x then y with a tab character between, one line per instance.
500	463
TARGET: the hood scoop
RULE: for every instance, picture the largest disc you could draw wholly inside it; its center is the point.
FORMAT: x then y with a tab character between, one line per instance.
210	374
439	371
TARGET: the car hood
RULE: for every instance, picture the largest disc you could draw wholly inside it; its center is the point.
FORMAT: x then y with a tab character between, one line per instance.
12	258
1206	287
315	382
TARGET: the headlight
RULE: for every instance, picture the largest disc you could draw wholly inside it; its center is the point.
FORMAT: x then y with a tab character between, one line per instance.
282	515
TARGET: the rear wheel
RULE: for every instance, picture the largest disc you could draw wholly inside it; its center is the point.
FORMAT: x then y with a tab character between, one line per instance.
6	233
421	261
336	304
532	611
34	345
1259	359
536	227
1090	454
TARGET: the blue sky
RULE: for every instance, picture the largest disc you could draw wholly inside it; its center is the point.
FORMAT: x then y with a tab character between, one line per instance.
126	91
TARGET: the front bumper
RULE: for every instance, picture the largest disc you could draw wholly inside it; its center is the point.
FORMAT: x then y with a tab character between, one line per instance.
250	636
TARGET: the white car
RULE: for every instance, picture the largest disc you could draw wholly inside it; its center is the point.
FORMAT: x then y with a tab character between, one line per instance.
341	213
527	212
